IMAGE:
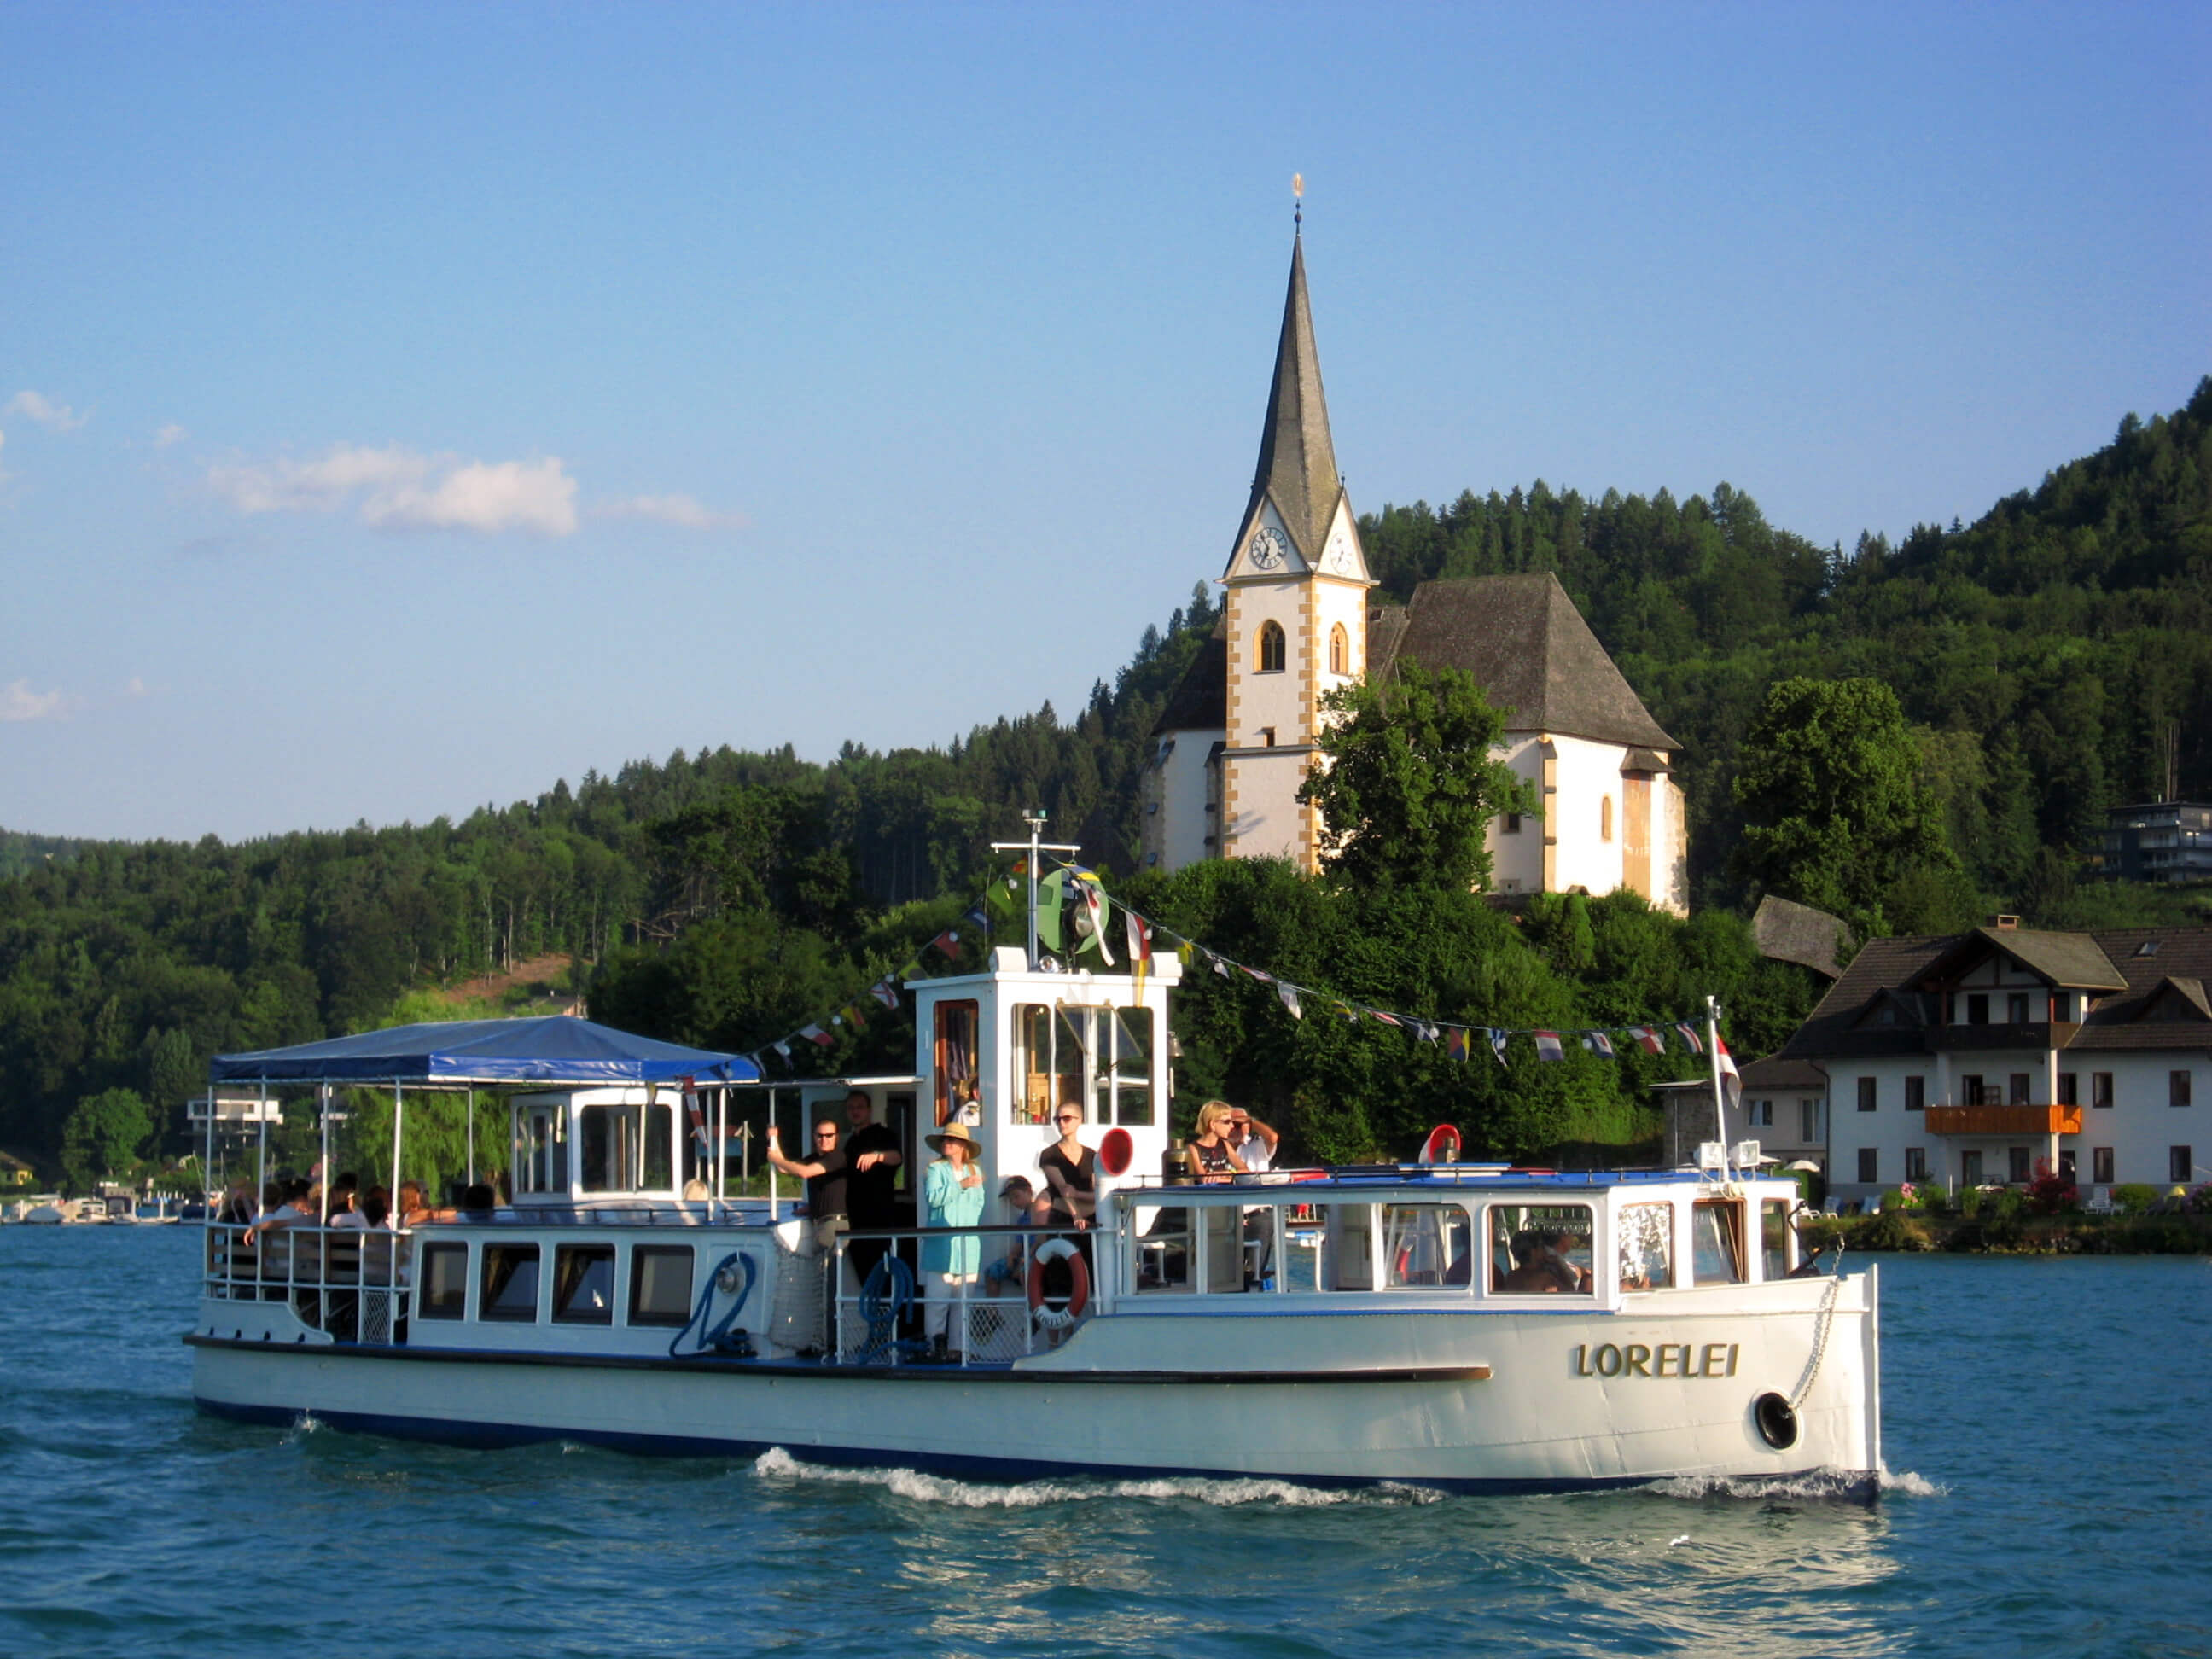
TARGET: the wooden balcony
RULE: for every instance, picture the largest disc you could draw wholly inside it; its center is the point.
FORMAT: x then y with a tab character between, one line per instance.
2004	1120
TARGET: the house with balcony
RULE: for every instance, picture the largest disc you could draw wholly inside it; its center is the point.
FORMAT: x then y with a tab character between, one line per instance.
1989	1057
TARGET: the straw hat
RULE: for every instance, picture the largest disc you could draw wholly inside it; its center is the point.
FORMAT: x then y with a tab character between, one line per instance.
955	1132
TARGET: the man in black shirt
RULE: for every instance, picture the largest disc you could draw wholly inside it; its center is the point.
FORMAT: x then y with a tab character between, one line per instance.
828	1203
873	1160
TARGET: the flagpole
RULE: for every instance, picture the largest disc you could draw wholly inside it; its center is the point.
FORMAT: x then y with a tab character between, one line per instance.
1713	1058
1035	818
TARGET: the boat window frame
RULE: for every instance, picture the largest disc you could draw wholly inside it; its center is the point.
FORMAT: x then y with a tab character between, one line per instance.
597	1250
633	1278
489	1259
1624	1225
1536	1212
1443	1281
1170	1225
1730	1240
428	1277
1776	1238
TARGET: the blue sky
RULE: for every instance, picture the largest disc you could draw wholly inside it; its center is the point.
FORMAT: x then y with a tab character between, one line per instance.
403	407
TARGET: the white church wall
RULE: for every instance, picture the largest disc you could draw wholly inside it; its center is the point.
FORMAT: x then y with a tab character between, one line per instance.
1180	813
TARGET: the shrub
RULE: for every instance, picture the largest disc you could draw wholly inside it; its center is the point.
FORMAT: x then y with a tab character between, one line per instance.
2135	1197
2050	1195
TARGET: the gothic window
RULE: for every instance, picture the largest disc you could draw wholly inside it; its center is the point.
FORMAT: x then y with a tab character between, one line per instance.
1339	650
1271	648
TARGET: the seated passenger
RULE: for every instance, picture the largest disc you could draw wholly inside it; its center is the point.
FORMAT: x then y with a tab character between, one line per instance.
1011	1268
1539	1267
1211	1156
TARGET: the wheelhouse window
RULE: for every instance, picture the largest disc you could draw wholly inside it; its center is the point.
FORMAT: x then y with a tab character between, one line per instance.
510	1283
1644	1244
545	1149
953	1058
1717	1243
1048	1064
627	1147
584	1284
1098	1055
659	1284
1542	1249
1774	1239
1425	1246
444	1270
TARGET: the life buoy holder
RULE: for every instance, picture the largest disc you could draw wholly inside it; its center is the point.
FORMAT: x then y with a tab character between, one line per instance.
1078	1284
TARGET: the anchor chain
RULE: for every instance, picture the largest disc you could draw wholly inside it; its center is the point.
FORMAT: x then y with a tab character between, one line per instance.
1820	1334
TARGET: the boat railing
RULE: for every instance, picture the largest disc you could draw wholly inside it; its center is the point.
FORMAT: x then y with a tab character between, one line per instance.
350	1282
1002	1293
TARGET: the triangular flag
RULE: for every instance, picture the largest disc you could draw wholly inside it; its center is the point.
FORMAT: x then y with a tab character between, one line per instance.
1598	1043
1731	1082
1289	993
1548	1046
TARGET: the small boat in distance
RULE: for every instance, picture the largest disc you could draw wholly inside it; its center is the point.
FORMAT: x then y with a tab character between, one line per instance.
1441	1324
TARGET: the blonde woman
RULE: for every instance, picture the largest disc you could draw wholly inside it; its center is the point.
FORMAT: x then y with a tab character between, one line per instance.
1212	1156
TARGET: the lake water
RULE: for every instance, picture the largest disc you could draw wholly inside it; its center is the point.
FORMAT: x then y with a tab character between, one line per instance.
2048	1427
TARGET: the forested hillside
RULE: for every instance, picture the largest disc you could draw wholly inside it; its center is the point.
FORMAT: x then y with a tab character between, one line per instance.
2043	652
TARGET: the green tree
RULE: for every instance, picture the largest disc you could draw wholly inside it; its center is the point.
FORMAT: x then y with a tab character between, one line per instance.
1408	787
1836	815
104	1135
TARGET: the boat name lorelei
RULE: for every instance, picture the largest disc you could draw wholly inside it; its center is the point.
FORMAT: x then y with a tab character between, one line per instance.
1662	1359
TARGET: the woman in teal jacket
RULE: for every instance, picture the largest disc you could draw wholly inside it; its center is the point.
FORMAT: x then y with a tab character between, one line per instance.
952	1196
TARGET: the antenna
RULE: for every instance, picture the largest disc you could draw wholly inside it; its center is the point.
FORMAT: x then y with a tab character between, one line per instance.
1033	819
1299	202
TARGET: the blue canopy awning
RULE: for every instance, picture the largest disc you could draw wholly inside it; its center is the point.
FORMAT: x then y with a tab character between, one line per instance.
550	1050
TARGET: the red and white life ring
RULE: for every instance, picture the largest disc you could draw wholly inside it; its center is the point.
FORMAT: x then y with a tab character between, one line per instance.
1078	1284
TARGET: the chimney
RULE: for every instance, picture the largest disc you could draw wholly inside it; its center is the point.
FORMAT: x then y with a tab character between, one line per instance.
2005	923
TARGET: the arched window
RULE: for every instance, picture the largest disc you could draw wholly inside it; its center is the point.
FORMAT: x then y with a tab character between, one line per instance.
1605	817
1339	650
1271	648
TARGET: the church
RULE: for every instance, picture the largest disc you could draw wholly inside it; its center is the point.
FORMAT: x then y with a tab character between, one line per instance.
1237	737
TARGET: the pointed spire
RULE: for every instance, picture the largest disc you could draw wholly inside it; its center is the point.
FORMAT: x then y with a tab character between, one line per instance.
1298	460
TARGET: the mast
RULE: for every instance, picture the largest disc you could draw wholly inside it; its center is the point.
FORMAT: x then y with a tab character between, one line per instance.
1035	818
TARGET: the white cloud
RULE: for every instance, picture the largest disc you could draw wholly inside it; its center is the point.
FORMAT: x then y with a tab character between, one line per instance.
60	416
171	434
395	488
684	510
135	688
19	702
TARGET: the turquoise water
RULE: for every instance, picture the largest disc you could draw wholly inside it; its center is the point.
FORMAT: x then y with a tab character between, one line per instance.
2048	1424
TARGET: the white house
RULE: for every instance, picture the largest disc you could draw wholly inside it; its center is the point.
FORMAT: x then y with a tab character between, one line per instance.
1996	1055
1237	738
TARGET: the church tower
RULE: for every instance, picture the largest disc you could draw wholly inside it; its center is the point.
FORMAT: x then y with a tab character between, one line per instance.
1296	625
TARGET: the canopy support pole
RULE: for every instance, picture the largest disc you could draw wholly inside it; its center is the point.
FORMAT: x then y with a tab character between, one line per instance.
397	1105
323	1123
261	1153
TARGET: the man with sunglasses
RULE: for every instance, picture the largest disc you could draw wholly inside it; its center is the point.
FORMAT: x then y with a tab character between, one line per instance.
1253	1142
823	1170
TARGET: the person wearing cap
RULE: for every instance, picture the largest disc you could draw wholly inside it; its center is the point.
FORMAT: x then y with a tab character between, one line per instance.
952	1196
1019	1199
1252	1141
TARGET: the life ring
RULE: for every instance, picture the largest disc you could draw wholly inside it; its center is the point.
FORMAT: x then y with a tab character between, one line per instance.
1078	1284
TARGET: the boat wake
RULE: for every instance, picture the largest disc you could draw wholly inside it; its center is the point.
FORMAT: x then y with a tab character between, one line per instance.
1814	1485
779	1465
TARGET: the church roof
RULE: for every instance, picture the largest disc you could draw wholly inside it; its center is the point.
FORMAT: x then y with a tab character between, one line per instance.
1534	656
1200	702
1296	468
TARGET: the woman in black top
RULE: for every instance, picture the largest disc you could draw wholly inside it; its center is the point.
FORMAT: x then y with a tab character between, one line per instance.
1071	1173
1212	1157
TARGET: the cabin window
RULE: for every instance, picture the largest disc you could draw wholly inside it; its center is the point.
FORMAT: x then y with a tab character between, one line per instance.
627	1147
1271	647
584	1284
954	1062
545	1151
1425	1246
661	1284
510	1283
1774	1239
1130	1067
445	1274
1645	1236
1539	1248
1717	1244
1339	650
1160	1241
1347	1246
1049	1065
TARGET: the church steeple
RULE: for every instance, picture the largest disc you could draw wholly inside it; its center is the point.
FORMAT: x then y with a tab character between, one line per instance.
1297	470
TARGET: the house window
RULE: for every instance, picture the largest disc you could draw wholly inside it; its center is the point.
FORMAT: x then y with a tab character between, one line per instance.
2017	1094
1810	1112
1762	1115
1916	1094
1867	1164
1339	650
2179	1165
2016	1161
1915	1164
1512	824
2062	1005
2068	1170
1977	1009
2100	1088
2069	1088
1267	737
1970	1168
1970	1090
1866	1094
1605	817
2177	1088
2100	1165
2016	1008
1271	647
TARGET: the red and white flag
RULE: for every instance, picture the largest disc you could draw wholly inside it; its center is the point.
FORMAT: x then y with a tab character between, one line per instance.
1731	1082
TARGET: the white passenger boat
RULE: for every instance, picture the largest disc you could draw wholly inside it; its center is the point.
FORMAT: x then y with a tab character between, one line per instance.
1455	1326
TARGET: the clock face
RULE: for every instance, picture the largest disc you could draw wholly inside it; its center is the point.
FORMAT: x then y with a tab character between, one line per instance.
1267	550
